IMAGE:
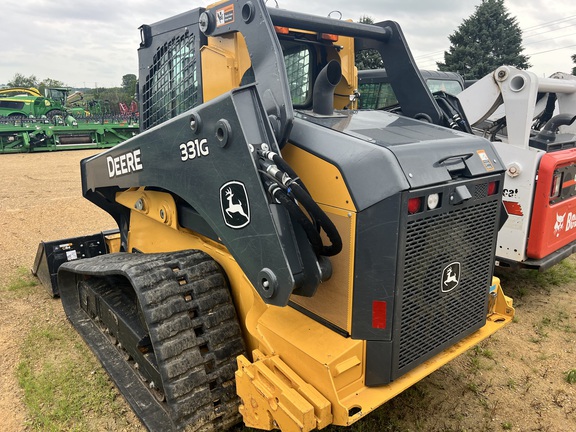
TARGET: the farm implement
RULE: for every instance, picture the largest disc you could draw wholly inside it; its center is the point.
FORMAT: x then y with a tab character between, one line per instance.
25	135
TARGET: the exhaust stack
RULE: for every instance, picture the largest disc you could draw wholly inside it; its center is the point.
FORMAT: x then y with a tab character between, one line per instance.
326	82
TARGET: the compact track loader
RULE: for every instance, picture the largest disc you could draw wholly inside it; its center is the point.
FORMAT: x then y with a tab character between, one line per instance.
282	257
531	121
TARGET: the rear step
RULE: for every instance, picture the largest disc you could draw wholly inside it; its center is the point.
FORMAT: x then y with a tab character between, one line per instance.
160	317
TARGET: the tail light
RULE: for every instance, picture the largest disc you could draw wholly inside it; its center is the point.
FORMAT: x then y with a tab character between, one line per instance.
414	205
379	314
492	188
556	185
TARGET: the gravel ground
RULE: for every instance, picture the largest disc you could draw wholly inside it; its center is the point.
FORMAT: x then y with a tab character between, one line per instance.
40	199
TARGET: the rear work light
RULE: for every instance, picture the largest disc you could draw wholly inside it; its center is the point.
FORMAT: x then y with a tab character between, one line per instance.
432	201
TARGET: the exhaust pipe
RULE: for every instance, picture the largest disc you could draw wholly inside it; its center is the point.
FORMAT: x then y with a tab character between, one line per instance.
550	129
326	82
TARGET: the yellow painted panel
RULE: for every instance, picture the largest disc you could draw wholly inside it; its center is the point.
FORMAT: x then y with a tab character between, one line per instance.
323	180
224	61
150	233
333	299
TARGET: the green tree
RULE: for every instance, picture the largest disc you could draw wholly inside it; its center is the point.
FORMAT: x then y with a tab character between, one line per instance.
19	80
129	84
368	59
50	83
489	38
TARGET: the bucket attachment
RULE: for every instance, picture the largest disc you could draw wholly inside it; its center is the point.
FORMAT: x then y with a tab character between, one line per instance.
51	255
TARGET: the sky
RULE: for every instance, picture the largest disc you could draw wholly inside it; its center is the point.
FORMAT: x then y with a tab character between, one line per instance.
94	44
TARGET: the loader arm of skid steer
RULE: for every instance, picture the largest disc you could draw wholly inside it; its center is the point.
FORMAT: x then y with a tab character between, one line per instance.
252	20
208	158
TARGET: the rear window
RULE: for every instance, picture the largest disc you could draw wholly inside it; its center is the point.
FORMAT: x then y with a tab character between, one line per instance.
448	86
11	104
376	96
298	68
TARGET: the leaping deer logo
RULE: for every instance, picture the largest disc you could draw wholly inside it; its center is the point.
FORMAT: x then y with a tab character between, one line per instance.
234	207
234	204
450	277
220	17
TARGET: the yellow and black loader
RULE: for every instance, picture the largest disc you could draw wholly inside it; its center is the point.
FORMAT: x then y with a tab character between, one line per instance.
282	257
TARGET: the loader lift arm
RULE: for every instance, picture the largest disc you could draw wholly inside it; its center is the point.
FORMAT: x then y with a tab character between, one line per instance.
518	91
531	122
200	167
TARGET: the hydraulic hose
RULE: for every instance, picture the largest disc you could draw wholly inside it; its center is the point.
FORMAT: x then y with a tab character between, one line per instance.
555	122
451	111
298	215
550	129
548	111
317	213
284	175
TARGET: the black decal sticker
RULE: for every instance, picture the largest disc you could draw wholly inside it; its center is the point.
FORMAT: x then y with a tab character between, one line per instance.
234	204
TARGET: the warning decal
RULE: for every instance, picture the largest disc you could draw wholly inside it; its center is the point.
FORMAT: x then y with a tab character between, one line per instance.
225	16
485	160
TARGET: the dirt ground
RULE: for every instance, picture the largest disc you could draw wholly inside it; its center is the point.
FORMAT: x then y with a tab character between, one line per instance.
514	381
40	199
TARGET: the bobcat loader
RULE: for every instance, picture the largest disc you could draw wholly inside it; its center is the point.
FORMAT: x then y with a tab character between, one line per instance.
531	121
282	258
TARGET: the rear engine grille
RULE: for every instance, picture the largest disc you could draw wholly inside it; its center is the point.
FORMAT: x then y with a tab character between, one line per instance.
432	319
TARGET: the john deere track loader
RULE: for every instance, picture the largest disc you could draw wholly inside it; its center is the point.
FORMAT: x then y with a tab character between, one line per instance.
283	258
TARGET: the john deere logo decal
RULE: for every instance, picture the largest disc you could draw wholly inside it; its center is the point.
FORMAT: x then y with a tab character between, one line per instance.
450	277
234	204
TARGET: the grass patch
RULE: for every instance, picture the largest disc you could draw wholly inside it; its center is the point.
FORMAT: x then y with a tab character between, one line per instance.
480	358
64	388
518	283
571	377
558	320
23	284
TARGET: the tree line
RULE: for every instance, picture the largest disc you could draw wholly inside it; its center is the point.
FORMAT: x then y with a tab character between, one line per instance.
489	38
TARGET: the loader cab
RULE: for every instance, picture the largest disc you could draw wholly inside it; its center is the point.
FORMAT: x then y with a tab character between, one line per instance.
306	54
183	69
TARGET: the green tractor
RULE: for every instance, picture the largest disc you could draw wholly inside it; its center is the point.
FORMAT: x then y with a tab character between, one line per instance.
30	121
29	102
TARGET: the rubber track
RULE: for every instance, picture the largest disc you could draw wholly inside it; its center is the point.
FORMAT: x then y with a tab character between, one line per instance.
193	329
